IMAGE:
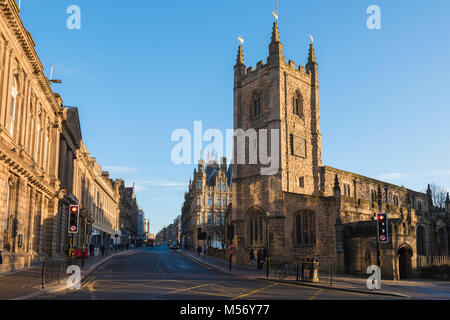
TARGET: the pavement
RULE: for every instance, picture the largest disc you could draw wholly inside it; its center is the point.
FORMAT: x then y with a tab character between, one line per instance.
410	289
158	273
27	283
161	274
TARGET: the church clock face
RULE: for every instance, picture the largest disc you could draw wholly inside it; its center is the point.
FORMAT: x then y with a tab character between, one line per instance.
298	146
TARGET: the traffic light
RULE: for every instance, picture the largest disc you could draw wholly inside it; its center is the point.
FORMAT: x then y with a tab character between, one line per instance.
73	218
383	226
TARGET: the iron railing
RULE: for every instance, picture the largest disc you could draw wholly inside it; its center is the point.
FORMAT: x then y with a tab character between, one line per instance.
55	271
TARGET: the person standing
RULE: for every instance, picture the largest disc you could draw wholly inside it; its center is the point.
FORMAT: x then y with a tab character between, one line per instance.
91	249
103	250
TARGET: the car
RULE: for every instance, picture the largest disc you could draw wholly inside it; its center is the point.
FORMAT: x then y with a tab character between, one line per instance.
174	245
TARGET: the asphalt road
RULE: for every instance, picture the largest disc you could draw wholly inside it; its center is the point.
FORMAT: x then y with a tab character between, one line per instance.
160	274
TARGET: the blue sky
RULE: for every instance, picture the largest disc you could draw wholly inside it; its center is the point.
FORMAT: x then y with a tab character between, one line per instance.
138	70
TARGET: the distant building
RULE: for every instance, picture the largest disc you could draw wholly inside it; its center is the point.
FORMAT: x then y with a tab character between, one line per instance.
128	217
205	204
141	237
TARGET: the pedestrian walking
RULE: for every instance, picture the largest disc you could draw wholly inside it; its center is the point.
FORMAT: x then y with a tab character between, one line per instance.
115	247
260	258
91	250
264	256
251	255
103	250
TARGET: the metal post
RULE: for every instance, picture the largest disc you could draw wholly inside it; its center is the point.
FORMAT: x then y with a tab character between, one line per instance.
231	260
204	250
267	250
43	272
296	270
331	274
378	253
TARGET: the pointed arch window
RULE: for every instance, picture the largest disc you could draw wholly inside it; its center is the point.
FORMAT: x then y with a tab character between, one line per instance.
13	105
257	105
305	228
297	104
420	241
255	227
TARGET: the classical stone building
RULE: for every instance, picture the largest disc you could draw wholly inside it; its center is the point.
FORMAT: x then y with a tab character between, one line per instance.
44	165
306	209
173	230
128	217
69	143
30	128
206	203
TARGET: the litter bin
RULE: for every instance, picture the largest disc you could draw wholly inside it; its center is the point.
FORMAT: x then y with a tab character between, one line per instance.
310	270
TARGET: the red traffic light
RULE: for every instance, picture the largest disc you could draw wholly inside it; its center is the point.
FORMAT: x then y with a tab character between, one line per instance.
74	209
383	226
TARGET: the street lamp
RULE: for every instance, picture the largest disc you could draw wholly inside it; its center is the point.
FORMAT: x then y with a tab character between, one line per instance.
267	253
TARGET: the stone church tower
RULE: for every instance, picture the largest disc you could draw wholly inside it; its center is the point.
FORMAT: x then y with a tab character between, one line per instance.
278	96
280	210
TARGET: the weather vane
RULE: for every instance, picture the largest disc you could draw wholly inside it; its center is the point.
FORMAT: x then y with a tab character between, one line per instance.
241	40
311	38
275	13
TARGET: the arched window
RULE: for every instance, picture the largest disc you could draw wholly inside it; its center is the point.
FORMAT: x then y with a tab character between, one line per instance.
38	138
257	105
29	129
305	227
297	104
9	210
420	241
46	147
12	108
255	227
8	203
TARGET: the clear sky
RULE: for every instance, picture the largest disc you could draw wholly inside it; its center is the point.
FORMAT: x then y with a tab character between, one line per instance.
140	69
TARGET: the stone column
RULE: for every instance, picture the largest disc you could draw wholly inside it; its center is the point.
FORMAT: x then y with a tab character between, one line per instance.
4	84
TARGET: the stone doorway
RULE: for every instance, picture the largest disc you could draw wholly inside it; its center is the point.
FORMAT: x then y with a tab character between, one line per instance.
405	254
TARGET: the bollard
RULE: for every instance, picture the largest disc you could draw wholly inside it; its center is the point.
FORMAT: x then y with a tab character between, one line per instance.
1	258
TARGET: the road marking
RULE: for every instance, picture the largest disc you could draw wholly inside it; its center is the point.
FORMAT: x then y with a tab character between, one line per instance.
90	287
316	294
212	294
199	263
253	292
187	289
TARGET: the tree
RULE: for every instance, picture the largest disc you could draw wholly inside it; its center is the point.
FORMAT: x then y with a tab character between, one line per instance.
439	195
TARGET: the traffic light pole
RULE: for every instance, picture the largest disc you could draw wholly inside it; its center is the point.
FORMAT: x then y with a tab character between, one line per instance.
378	254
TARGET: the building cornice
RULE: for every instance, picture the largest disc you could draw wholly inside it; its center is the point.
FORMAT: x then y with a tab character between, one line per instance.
10	12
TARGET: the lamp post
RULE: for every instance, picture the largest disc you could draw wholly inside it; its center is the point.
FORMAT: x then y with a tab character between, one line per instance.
267	250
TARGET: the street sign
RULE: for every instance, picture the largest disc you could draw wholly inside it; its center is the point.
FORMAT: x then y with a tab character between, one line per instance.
383	228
